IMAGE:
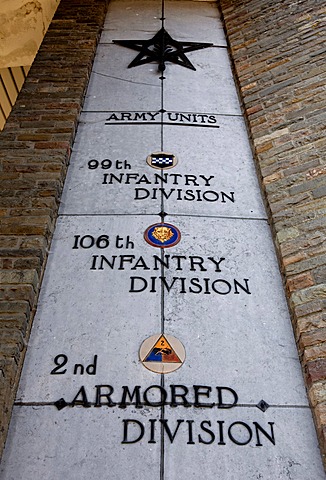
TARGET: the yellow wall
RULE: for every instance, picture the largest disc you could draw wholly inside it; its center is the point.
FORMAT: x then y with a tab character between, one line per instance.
23	24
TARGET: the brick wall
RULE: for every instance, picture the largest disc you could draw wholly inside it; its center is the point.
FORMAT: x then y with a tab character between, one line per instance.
278	53
34	154
277	50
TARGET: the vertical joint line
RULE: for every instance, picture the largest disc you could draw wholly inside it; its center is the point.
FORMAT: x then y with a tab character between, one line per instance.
162	85
162	292
162	269
162	436
163	13
162	114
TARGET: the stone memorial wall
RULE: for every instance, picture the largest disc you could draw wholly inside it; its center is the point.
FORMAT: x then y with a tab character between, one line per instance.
162	345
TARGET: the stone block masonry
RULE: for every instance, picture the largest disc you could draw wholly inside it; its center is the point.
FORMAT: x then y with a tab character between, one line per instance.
278	54
34	154
276	49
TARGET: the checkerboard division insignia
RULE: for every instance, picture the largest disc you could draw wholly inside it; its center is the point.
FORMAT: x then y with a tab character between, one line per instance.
161	160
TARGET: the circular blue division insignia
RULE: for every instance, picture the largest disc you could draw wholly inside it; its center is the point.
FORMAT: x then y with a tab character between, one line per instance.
162	235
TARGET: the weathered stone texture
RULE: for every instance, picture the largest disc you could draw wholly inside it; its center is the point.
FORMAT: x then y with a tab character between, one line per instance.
279	58
34	154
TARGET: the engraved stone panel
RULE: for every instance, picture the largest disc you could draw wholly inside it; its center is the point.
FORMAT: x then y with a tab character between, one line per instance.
221	177
187	22
85	308
80	445
113	86
162	270
142	18
109	173
209	89
254	456
225	303
106	164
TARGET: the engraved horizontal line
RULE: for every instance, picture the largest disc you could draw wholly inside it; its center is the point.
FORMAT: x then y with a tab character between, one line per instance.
175	215
167	111
207	113
167	404
125	80
164	123
108	214
265	219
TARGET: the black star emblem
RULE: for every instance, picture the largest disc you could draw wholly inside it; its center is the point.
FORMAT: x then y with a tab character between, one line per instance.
162	48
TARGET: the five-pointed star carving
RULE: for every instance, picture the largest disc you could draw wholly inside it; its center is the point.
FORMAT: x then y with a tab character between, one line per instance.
162	48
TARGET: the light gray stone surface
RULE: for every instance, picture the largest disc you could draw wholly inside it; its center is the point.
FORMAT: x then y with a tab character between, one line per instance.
210	88
222	153
86	312
83	312
80	443
238	339
131	20
186	22
85	192
77	444
115	87
238	336
288	459
183	21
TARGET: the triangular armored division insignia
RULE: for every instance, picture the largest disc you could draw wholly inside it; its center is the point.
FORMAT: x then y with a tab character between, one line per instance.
162	352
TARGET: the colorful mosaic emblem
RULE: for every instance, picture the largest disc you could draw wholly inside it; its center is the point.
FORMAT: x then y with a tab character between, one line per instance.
162	235
162	160
162	353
